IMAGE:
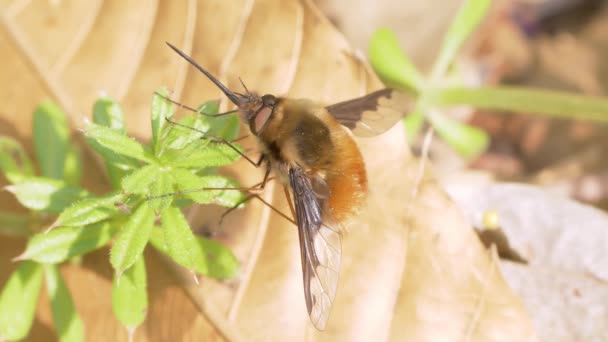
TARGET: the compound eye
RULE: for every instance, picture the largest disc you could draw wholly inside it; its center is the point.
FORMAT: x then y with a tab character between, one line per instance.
261	118
268	100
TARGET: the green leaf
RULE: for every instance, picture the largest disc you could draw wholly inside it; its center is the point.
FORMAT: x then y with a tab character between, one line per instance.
225	126
106	112
468	17
73	166
193	185
46	194
117	166
117	142
391	63
527	100
63	243
139	181
89	210
161	190
18	301
161	109
51	139
132	239
469	141
220	262
176	137
14	161
189	128
14	224
130	296
201	154
210	108
181	243
68	324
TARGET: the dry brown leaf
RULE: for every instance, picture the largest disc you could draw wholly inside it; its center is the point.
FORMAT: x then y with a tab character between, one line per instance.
565	245
411	268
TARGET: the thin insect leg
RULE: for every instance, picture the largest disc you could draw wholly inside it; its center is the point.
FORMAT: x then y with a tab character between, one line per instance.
258	187
181	105
266	174
234	207
274	209
189	191
215	139
249	198
286	191
240	138
260	161
252	196
261	185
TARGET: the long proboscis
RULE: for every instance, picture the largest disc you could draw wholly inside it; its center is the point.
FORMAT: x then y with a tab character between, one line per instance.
219	84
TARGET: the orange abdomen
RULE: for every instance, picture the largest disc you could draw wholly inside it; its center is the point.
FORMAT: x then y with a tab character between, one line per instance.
346	179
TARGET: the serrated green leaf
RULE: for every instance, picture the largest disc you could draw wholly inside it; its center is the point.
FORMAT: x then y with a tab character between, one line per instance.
193	185
391	64
89	210
139	181
469	141
14	161
468	17
181	243
177	137
14	224
189	128
18	301
46	194
68	323
161	109
161	190
107	112
51	139
119	162
209	108
201	154
225	126
117	142
222	262
72	170
132	239
63	243
117	166
130	295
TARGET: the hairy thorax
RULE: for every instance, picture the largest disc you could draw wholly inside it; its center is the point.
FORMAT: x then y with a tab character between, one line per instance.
301	134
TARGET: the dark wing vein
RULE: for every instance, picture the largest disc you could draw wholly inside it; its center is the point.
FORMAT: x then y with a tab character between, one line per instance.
320	249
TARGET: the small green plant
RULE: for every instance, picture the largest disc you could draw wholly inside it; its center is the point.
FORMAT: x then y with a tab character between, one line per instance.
140	210
434	92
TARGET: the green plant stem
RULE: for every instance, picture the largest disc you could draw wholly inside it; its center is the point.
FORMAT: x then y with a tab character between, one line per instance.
521	99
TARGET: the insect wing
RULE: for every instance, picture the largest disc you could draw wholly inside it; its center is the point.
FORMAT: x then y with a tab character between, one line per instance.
320	249
373	113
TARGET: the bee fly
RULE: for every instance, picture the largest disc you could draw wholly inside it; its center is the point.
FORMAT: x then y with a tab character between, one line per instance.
309	151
